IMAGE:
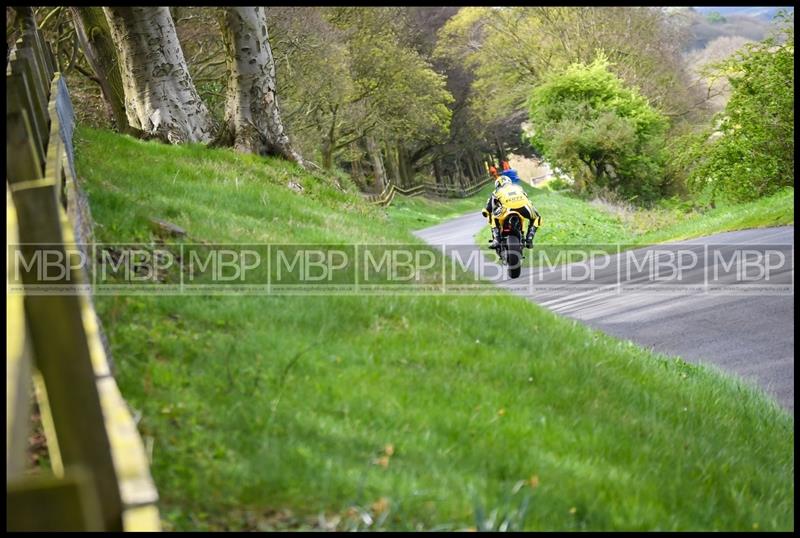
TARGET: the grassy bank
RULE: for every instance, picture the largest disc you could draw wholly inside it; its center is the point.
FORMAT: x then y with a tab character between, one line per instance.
392	412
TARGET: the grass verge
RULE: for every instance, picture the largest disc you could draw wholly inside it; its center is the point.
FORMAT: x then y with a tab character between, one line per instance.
403	413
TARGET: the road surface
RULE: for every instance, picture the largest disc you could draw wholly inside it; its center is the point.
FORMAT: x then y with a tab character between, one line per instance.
749	334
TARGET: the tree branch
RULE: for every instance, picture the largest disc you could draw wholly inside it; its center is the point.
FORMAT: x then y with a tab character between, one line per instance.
87	74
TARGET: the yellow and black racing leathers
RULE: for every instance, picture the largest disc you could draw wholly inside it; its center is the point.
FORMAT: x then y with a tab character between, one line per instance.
512	196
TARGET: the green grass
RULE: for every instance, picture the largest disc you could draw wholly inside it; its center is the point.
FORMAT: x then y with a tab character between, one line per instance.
567	220
267	412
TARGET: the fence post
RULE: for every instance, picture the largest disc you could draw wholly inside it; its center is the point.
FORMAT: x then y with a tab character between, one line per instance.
19	65
18	359
18	98
40	86
30	41
63	356
22	157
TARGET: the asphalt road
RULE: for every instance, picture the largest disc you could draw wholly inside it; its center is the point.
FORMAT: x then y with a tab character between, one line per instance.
710	315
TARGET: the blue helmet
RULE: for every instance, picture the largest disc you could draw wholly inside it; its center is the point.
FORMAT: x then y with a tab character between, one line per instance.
510	174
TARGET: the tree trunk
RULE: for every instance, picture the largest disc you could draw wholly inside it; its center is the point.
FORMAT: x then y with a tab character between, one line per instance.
460	174
327	156
476	165
501	154
470	167
160	97
24	19
377	163
405	166
437	171
357	173
252	116
98	48
329	141
391	156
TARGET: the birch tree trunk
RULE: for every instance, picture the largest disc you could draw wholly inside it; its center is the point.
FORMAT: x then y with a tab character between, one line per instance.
252	116
160	97
94	35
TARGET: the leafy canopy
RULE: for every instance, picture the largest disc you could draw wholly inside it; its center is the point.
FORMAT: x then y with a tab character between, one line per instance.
345	73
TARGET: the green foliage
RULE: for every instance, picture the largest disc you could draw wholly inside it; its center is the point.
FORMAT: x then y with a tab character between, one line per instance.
558	184
604	134
715	17
345	73
397	412
408	96
750	151
511	49
504	65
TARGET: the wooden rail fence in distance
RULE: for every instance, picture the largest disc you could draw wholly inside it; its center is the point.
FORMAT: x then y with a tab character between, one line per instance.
386	197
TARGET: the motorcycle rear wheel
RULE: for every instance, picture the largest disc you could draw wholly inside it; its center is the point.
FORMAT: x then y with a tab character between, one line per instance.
514	256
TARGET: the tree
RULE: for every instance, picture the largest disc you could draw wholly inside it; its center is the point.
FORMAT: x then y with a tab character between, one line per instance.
396	93
345	76
160	98
252	116
750	150
604	134
98	48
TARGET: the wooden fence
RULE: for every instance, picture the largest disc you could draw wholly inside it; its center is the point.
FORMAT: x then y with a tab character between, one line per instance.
99	476
386	197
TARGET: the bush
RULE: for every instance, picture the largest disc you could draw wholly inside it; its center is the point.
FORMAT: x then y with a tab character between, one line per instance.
603	134
749	153
558	184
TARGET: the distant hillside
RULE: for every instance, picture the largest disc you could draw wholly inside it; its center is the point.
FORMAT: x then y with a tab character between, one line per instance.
763	13
705	24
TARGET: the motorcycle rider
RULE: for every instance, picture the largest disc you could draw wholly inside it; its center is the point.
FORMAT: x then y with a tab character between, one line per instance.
507	194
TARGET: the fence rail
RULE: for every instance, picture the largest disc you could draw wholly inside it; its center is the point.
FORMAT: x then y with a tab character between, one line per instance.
386	197
99	477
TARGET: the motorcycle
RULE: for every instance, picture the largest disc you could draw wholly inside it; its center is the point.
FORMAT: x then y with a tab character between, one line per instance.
511	238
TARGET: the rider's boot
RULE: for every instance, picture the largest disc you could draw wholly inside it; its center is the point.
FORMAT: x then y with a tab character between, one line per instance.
495	243
529	237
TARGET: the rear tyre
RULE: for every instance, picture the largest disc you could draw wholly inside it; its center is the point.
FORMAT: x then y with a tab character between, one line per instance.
514	256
